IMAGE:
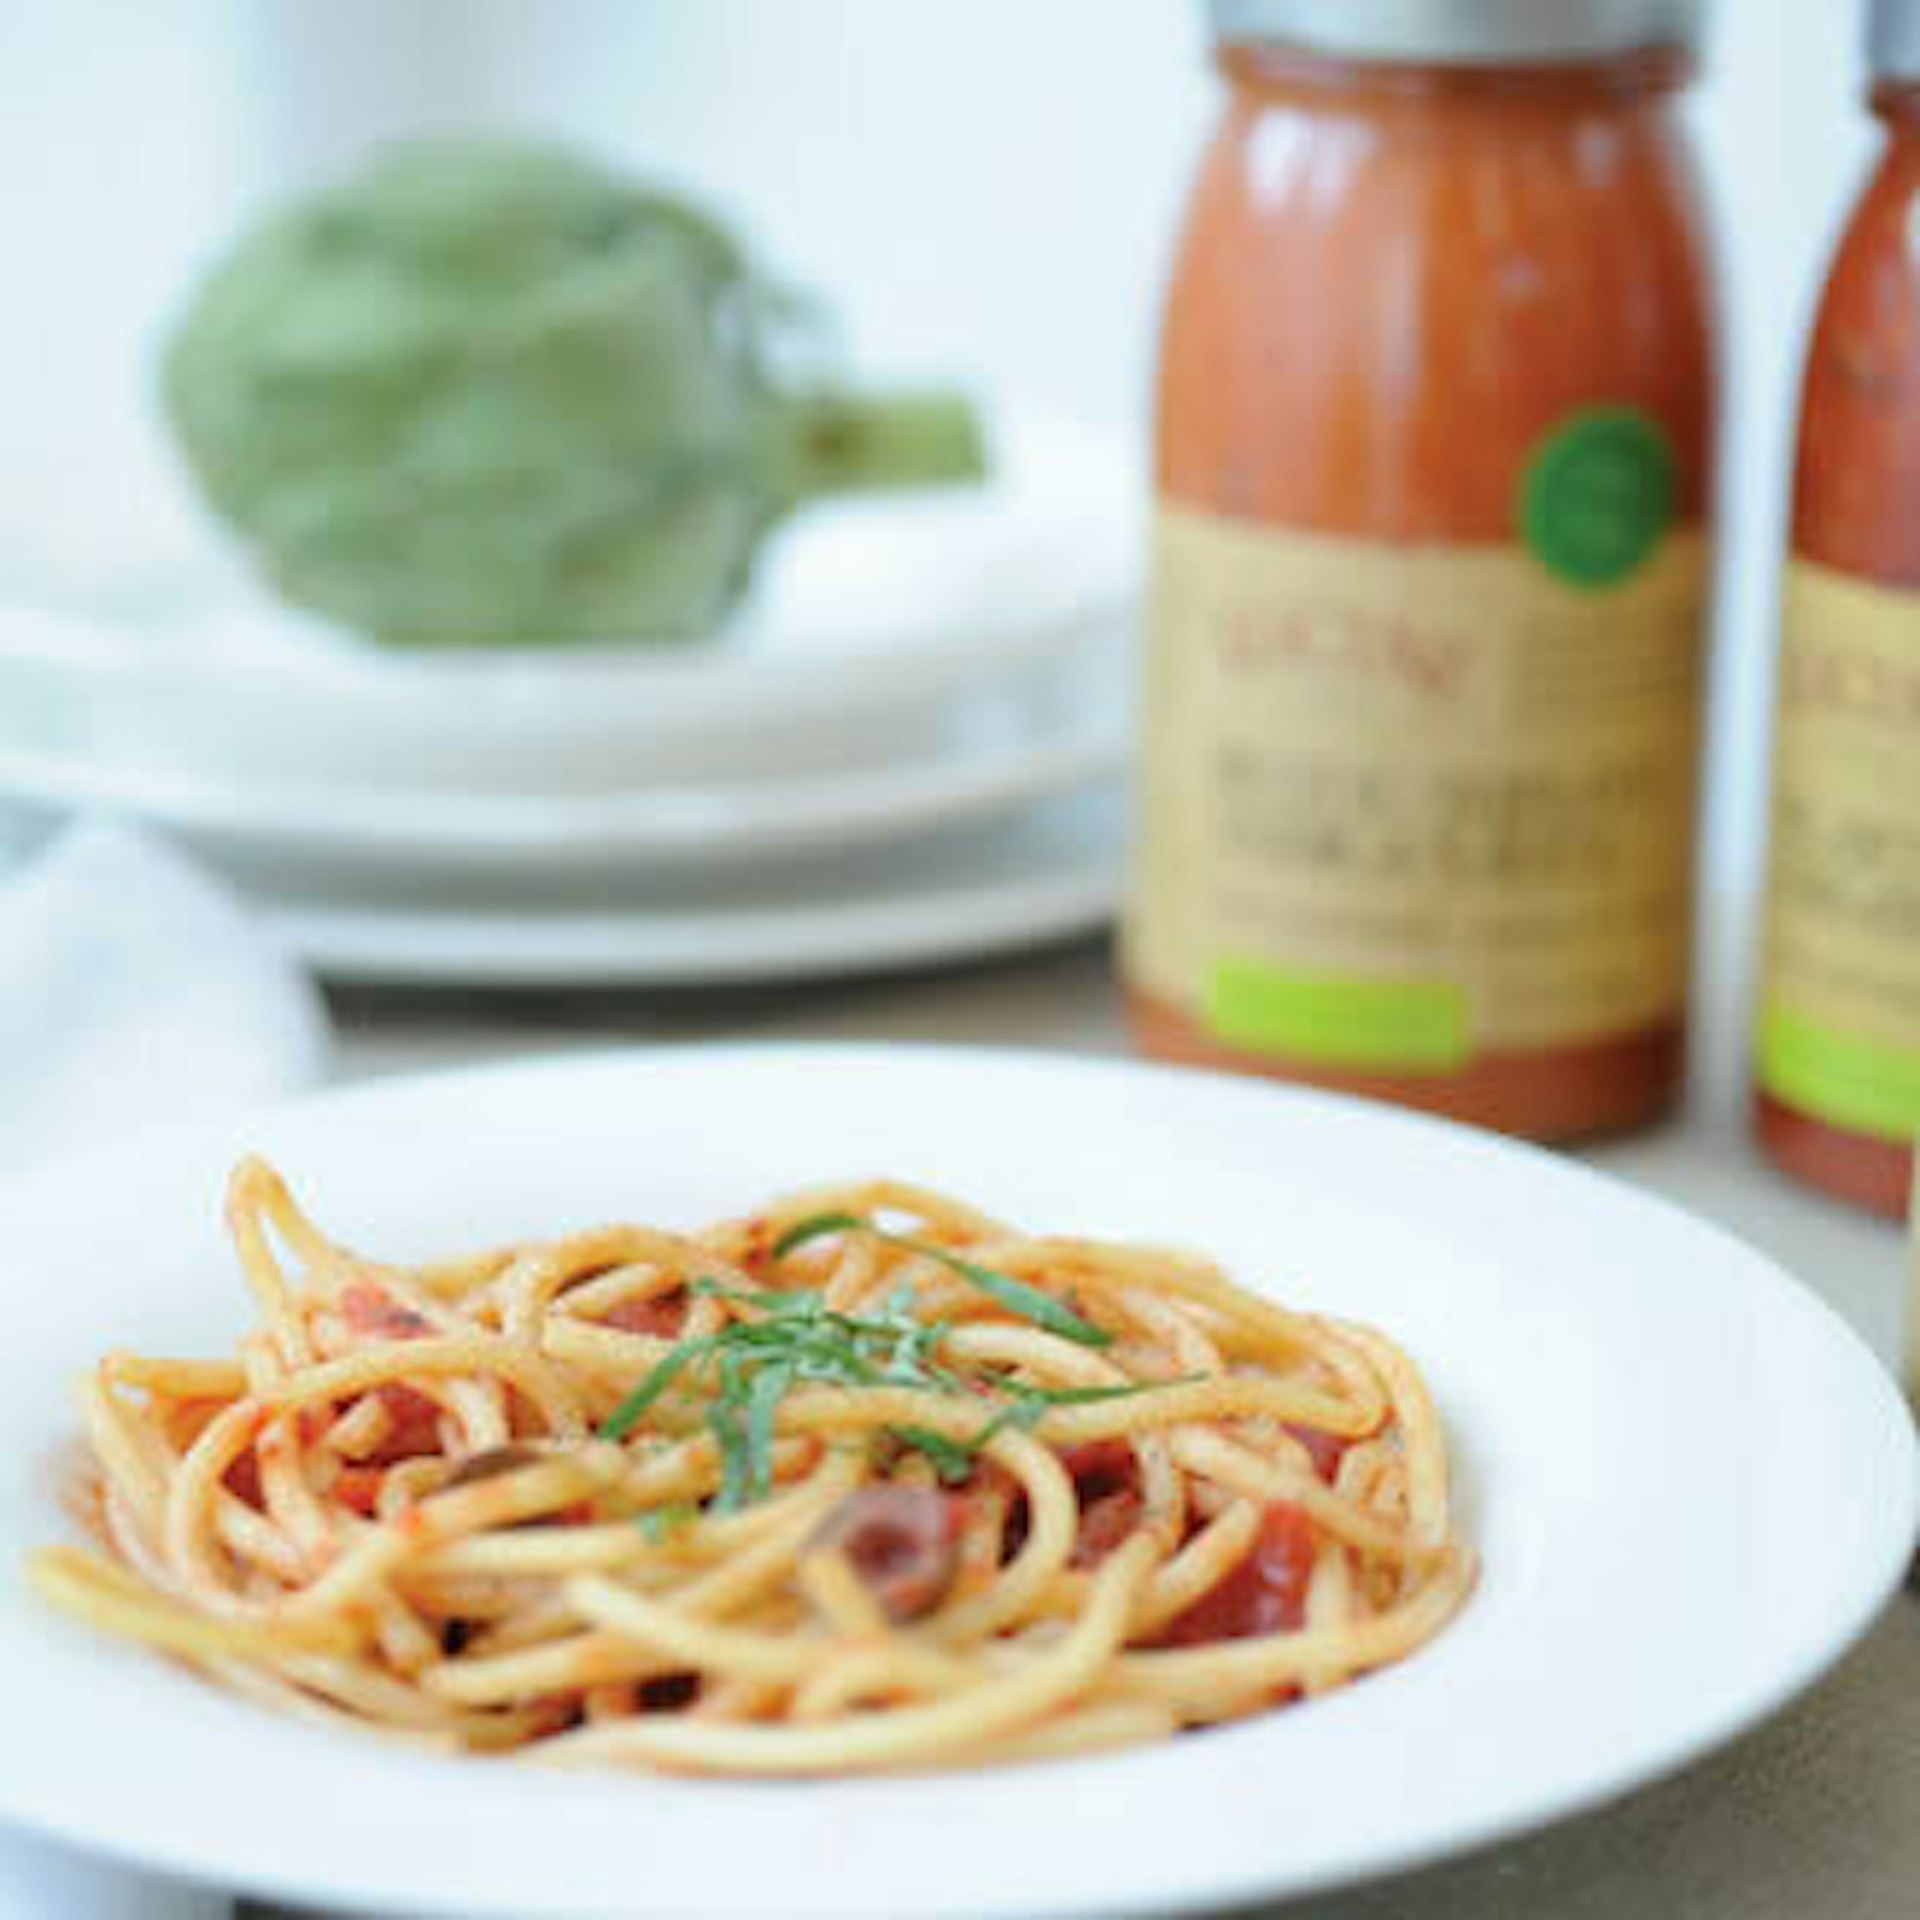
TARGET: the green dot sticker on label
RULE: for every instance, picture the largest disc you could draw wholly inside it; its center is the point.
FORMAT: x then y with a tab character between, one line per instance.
1597	495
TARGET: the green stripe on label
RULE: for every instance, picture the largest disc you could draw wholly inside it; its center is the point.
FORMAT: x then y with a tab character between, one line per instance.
1862	1085
1412	1026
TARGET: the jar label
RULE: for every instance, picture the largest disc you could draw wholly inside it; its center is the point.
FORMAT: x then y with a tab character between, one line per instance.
1840	999
1402	803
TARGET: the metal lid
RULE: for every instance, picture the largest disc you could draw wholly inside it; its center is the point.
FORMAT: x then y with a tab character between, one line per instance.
1495	31
1893	40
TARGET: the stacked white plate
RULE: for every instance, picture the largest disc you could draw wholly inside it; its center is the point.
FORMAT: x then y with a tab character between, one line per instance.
906	749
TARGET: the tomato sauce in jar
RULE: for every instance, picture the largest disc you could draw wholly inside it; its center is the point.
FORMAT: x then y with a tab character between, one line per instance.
1426	643
1838	1048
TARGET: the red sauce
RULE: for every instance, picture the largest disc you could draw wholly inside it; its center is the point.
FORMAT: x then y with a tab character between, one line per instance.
1395	284
1855	1167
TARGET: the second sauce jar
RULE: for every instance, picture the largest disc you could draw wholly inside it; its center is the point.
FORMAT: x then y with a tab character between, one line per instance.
1428	622
1839	1026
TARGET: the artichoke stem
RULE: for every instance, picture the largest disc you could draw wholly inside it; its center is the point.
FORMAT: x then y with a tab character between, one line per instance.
851	443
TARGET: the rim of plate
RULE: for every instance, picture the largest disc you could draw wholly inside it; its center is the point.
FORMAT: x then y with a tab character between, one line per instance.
669	823
532	687
1094	1834
737	945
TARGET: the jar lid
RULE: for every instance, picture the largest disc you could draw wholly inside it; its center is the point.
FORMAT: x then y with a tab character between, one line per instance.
1893	40
1461	31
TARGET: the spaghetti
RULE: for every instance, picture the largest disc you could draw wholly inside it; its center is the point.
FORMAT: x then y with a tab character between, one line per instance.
862	1481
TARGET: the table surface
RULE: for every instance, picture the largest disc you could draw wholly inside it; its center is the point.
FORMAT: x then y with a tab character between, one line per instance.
1812	1815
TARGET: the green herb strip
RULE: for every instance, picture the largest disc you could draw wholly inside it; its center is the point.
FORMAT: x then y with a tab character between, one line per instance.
954	1460
657	1522
795	1337
769	1388
636	1406
1024	1301
729	1432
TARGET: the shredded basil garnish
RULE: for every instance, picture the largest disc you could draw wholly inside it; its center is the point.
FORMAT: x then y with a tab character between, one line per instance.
1027	1302
783	1339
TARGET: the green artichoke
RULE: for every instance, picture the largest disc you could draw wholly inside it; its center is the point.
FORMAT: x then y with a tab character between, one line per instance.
488	393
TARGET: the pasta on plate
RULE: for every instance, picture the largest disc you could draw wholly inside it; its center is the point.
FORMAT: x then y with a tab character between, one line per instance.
861	1481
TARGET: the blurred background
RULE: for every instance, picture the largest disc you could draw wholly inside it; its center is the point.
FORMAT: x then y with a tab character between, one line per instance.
989	189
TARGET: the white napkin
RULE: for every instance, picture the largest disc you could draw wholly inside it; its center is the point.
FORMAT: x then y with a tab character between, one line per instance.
134	990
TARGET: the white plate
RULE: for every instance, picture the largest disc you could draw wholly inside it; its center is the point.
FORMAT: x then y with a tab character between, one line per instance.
1691	1486
1056	872
869	620
1004	751
41	1882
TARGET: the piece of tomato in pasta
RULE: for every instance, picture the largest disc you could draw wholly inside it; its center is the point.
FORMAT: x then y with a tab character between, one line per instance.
242	1480
663	1315
413	1418
1106	1480
1325	1450
374	1314
1265	1593
359	1489
413	1426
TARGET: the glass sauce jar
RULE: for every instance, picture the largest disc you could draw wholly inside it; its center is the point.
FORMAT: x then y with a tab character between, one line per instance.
1429	605
1838	1052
